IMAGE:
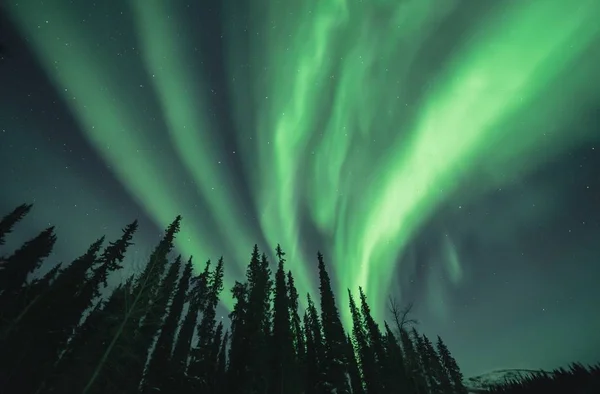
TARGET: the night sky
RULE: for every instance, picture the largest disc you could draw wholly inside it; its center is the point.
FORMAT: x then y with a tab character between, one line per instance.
444	152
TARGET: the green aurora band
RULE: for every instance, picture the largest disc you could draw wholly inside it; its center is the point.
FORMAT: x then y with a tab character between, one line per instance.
330	89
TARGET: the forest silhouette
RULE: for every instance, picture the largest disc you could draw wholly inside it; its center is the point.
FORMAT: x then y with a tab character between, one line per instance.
66	332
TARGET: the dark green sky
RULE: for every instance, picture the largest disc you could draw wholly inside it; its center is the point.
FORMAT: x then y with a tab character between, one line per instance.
446	152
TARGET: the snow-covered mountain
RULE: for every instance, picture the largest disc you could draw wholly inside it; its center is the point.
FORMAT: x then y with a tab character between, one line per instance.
478	384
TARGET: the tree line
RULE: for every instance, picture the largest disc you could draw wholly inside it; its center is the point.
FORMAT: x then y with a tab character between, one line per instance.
64	332
577	379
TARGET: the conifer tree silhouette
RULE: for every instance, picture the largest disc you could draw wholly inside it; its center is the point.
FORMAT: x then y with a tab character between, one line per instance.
396	365
296	321
154	376
315	350
334	335
282	341
372	382
63	332
111	259
196	298
159	368
413	364
204	356
375	341
8	221
237	373
451	367
356	382
22	262
142	292
53	319
258	322
439	381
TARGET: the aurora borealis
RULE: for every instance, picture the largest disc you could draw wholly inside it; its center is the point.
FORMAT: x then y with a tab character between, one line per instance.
445	152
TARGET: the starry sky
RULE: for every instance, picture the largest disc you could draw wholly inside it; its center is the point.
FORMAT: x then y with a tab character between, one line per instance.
446	153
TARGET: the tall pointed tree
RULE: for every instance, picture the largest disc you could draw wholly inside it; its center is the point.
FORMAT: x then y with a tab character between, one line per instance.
451	368
157	370
258	321
53	320
18	347
142	293
8	221
413	364
315	351
375	340
424	362
237	373
282	342
333	331
196	298
296	322
111	259
88	346
396	365
204	358
356	381
439	381
23	261
365	351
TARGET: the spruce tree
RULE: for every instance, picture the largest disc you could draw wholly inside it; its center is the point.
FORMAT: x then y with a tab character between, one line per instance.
196	298
426	369
258	322
413	364
451	368
396	365
438	377
19	348
128	334
56	317
315	351
375	340
157	371
282	342
335	338
8	221
89	344
296	322
110	261
354	369
365	351
204	358
22	262
237	373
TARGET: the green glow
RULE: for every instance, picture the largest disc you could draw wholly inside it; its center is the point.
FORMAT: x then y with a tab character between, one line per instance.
109	120
191	132
494	78
333	92
333	126
453	265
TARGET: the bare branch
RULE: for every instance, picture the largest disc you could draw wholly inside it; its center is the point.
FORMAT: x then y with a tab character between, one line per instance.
401	316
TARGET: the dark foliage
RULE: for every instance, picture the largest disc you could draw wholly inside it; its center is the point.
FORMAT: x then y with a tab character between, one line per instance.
577	379
66	332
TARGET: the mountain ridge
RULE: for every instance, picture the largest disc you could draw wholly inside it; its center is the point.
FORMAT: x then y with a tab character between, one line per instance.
480	383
